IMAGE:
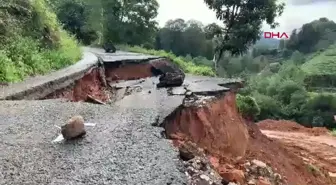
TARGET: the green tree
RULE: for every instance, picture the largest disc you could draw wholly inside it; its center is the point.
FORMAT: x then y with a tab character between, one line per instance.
242	21
73	16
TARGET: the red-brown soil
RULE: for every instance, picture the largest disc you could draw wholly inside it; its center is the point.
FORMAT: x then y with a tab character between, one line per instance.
90	84
290	126
129	72
216	127
220	130
281	158
138	70
319	151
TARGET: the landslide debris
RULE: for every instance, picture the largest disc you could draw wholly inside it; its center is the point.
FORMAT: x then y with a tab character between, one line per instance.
236	148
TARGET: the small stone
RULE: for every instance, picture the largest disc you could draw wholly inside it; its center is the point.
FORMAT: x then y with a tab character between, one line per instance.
185	154
252	182
259	163
149	92
74	128
205	177
332	175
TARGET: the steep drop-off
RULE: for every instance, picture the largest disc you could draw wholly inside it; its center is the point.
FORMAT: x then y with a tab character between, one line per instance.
215	126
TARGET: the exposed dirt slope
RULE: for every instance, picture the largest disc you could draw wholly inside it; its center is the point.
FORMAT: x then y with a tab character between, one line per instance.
90	84
215	126
219	129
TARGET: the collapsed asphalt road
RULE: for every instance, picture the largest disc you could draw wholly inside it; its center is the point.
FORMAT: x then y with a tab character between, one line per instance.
123	148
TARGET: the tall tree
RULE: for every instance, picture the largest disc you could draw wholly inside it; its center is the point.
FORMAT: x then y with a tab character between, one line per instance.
242	21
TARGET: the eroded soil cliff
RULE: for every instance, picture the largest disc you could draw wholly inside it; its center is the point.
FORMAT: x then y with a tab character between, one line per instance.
230	142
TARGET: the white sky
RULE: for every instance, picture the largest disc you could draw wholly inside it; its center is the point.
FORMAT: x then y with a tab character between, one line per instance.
293	16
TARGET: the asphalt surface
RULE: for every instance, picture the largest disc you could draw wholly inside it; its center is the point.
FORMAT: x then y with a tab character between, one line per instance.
120	55
122	149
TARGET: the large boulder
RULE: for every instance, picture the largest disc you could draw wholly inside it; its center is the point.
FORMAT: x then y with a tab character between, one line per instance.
171	80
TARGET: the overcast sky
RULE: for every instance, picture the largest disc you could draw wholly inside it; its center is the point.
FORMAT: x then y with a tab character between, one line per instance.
297	12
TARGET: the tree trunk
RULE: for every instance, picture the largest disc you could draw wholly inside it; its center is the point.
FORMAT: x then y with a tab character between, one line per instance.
216	60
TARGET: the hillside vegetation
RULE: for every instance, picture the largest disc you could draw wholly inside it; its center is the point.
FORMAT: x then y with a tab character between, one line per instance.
321	69
296	81
32	41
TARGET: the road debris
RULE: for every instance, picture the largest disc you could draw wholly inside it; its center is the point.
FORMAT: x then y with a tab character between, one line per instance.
75	128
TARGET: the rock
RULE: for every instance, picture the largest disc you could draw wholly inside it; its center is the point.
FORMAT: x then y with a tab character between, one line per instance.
233	175
171	80
232	183
188	150
252	182
259	163
205	177
332	176
74	128
186	154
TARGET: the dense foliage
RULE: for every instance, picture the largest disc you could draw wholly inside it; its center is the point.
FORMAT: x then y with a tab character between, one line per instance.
31	40
295	82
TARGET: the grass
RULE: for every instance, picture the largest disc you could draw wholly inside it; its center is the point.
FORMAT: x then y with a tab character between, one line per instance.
185	64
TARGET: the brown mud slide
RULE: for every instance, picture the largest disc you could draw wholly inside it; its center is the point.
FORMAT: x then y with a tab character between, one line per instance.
230	143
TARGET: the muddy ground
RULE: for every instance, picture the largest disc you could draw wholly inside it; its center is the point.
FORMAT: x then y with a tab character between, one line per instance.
315	146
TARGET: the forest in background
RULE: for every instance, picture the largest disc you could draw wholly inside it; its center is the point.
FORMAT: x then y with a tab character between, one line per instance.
285	79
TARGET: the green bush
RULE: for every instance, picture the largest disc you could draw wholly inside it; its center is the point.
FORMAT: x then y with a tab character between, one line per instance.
248	107
321	106
186	66
270	108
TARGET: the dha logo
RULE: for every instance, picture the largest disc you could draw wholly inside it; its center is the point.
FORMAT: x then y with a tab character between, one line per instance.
278	35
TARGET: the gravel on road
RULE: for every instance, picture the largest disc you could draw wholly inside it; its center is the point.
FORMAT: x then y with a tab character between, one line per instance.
123	148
